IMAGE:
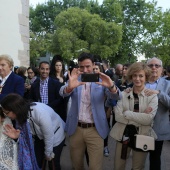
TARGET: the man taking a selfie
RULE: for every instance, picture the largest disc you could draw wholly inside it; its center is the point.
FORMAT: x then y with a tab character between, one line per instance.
86	123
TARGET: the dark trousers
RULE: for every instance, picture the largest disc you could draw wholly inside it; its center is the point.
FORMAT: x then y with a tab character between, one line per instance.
106	139
39	153
155	156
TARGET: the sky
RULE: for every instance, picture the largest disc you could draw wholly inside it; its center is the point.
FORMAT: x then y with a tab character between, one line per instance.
165	4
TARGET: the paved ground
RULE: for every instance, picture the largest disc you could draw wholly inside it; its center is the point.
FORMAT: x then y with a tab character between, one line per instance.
109	161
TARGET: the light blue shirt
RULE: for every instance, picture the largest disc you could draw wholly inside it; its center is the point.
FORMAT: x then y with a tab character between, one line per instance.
152	85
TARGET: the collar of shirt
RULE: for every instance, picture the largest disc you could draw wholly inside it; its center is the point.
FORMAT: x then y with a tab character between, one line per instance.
4	79
44	81
152	85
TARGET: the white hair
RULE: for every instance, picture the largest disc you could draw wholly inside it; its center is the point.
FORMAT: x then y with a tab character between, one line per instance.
154	58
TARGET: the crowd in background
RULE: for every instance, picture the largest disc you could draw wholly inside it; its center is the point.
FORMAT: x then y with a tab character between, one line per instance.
136	96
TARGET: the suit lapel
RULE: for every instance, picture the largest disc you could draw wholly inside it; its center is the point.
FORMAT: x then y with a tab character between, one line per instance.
160	84
8	82
38	90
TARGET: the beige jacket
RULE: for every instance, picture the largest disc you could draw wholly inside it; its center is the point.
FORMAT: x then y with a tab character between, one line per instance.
124	114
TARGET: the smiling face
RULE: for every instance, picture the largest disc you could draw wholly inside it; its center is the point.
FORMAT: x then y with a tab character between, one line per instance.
139	79
44	71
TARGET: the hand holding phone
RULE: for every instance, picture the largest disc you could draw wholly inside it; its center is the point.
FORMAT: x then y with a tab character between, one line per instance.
90	77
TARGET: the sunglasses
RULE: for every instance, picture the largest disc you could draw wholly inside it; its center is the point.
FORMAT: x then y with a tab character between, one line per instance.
6	113
156	65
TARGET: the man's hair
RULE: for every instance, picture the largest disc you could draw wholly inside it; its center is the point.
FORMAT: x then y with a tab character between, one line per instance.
44	62
154	58
106	63
84	56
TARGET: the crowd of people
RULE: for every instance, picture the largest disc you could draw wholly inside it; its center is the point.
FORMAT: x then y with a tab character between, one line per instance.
38	105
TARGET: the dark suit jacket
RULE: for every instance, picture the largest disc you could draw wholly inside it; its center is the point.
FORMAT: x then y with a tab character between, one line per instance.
13	84
109	73
54	99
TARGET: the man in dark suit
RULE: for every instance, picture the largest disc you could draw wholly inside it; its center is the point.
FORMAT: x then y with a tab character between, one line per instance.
107	71
9	81
46	89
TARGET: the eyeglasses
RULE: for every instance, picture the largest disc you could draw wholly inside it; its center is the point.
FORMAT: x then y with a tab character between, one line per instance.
6	113
156	65
30	72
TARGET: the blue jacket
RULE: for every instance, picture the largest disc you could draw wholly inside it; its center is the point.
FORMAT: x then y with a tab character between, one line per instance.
13	84
161	122
97	104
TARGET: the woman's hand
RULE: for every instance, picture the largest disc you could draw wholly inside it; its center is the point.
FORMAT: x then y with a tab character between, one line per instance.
148	110
27	86
11	132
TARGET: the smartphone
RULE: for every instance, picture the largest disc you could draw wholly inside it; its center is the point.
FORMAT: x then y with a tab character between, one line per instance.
90	77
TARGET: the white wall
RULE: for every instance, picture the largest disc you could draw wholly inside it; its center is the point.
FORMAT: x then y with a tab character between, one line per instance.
14	30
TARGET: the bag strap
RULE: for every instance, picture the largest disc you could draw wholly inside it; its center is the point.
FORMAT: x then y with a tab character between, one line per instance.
30	118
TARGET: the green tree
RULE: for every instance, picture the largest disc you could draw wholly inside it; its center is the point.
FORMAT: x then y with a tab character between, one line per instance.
42	17
135	19
77	29
157	39
39	45
163	47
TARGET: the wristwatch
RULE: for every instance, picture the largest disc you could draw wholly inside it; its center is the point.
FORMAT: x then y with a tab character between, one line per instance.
112	86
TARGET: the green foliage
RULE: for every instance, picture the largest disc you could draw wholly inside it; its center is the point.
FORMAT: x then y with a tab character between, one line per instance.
127	28
39	46
111	10
77	29
42	17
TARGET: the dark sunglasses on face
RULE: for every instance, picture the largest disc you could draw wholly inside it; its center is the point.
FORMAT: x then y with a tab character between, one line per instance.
156	65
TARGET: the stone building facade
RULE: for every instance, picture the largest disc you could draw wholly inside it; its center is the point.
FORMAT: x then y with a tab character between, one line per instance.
14	30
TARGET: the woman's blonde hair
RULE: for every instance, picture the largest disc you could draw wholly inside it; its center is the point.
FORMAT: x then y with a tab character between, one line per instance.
136	67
